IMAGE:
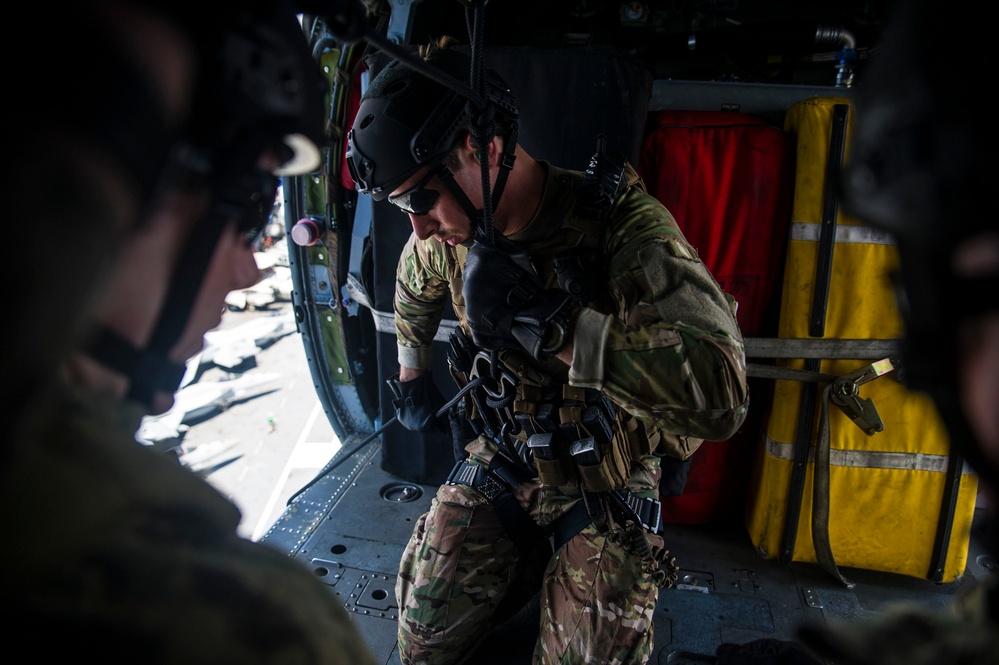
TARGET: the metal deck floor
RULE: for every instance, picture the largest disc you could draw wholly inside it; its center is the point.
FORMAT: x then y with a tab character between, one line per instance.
352	526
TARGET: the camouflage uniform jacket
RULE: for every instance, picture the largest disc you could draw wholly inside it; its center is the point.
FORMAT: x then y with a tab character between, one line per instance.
663	343
116	551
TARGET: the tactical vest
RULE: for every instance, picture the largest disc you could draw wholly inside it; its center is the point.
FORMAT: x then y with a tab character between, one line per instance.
571	436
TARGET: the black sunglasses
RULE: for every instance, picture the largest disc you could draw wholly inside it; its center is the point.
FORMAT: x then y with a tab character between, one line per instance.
416	200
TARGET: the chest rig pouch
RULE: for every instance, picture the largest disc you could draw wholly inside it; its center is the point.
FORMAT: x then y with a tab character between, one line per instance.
578	437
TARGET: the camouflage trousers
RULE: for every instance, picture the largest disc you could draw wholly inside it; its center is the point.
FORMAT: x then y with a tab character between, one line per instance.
460	571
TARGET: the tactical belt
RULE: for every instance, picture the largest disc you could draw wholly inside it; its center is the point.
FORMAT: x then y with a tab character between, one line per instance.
496	483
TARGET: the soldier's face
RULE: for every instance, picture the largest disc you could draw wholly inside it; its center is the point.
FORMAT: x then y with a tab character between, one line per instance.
432	210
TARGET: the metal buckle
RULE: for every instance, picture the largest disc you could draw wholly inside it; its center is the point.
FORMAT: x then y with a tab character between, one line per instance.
476	477
845	394
647	512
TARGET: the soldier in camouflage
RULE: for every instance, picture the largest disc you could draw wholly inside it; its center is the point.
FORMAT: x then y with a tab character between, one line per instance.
113	551
597	377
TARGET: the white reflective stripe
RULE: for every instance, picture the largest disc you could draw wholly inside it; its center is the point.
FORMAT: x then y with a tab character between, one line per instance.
385	321
845	233
868	459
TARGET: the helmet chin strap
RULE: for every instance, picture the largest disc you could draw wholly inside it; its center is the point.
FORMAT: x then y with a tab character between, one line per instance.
150	369
477	215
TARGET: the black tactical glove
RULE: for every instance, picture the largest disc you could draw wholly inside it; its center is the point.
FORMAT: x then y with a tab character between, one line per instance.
506	307
417	402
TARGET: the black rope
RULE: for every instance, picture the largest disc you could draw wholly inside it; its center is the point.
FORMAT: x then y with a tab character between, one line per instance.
469	387
483	118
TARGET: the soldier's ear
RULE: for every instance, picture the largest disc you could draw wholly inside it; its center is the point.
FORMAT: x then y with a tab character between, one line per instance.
492	150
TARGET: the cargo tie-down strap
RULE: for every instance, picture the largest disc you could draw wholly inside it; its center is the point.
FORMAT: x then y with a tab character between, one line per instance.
813	349
843	392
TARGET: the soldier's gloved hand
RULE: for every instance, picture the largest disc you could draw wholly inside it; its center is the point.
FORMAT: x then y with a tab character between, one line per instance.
417	402
507	308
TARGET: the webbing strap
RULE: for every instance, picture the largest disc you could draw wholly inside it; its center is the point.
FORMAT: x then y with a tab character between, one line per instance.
755	370
820	495
830	212
568	525
945	524
496	487
812	349
821	348
648	512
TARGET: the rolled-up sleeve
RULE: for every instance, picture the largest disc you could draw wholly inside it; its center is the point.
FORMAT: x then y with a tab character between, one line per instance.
421	293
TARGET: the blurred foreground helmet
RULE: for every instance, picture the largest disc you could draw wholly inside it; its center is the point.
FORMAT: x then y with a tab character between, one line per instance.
406	121
259	94
260	85
257	113
923	168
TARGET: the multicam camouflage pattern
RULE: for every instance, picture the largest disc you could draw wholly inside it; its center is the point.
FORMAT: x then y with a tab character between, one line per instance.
127	556
597	602
662	310
455	572
666	311
459	570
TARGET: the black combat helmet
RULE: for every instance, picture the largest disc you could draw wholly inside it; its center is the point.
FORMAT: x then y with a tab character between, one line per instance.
407	120
259	89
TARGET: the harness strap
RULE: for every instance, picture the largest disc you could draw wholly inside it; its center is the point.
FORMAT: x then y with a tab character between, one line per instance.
569	524
495	484
647	511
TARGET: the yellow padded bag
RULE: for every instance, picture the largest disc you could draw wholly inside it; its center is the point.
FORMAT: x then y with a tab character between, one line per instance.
885	490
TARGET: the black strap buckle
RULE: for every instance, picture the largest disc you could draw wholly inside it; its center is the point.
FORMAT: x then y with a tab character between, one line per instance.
482	481
647	512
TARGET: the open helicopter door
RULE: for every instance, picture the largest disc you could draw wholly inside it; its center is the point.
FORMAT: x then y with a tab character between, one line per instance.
566	99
